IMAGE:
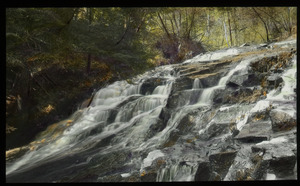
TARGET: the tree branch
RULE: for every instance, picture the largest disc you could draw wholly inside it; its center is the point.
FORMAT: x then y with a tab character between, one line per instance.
164	26
266	27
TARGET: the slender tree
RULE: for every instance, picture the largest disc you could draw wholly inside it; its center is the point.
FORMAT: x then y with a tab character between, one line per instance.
264	22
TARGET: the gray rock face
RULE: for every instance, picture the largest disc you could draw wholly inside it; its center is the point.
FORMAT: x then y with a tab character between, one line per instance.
238	80
181	98
246	80
182	83
255	132
215	129
203	172
274	81
210	81
149	85
279	154
216	168
281	121
221	162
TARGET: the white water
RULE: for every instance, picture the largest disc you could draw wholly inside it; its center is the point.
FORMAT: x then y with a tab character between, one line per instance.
177	172
206	96
210	56
196	84
151	156
276	97
142	112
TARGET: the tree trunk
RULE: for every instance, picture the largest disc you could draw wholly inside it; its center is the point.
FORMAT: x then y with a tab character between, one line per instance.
176	25
173	30
191	25
235	28
273	19
265	24
123	36
289	20
208	24
141	23
164	26
226	34
229	27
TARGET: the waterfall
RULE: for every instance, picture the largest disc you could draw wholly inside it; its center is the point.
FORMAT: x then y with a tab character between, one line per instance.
196	84
130	132
206	96
93	125
177	172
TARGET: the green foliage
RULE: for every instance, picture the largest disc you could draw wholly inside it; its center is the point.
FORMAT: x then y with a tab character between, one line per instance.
38	38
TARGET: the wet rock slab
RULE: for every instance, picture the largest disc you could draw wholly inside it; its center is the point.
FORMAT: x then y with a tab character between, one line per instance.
274	81
281	120
243	80
215	129
221	162
280	154
255	132
216	168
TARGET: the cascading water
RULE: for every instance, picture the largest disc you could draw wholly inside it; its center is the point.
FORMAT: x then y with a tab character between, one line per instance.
196	84
205	97
123	131
123	105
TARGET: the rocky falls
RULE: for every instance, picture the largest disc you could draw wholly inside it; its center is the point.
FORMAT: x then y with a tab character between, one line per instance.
226	115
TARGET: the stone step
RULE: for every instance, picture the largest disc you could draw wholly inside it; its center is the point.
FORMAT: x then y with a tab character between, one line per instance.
255	132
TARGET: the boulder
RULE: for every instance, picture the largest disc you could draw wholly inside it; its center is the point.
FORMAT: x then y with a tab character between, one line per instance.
149	177
194	96
238	94
259	116
281	121
255	132
149	173
220	162
215	129
203	172
283	166
210	80
181	98
184	127
156	127
260	167
237	80
150	84
276	69
274	81
165	115
280	155
182	83
222	96
247	80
